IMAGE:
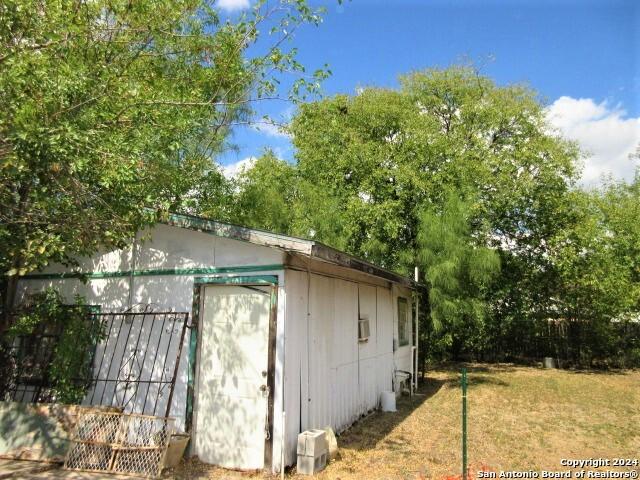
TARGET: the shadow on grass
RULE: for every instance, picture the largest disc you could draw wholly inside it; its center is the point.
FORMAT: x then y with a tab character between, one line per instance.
369	431
455	367
611	371
476	374
372	431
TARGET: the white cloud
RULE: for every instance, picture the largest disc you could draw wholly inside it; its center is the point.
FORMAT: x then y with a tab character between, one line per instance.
605	134
232	170
232	5
271	130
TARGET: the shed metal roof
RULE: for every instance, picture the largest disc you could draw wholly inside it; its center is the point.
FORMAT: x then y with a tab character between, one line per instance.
300	246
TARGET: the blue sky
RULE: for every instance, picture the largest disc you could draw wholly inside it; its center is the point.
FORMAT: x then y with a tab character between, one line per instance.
583	57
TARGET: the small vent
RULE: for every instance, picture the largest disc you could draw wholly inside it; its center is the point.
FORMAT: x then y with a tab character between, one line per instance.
363	328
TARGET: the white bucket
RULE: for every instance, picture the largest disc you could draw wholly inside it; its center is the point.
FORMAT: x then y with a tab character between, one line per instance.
388	401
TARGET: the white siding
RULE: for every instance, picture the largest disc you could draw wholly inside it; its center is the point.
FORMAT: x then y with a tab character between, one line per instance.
368	351
384	344
285	351
295	363
164	248
332	379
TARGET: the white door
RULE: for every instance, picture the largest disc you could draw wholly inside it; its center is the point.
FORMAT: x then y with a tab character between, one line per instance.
231	392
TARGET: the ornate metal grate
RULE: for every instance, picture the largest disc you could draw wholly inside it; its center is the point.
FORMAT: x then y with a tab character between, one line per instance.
136	366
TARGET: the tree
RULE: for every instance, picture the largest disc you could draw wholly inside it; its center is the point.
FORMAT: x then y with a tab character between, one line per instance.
458	268
387	154
467	180
597	259
109	107
271	194
66	365
265	192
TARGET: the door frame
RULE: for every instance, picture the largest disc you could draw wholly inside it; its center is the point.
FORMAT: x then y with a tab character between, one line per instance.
199	285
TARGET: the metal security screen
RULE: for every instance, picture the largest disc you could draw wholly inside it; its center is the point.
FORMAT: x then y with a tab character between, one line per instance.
26	361
136	365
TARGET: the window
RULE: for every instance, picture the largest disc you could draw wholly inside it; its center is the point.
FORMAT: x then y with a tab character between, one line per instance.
404	322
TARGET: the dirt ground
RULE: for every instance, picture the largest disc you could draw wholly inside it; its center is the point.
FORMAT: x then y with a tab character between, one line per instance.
519	418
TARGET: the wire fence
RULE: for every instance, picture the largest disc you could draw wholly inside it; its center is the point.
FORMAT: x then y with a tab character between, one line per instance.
119	443
578	343
572	343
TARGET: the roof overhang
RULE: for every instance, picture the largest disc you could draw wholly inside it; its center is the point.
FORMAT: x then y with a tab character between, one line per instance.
300	246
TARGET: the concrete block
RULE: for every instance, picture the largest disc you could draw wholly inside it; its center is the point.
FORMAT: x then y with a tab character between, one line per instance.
312	443
310	465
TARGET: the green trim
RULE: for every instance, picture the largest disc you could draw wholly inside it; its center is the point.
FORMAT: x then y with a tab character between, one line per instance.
193	352
152	272
259	279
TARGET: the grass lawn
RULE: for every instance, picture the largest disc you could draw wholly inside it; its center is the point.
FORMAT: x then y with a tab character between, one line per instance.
519	418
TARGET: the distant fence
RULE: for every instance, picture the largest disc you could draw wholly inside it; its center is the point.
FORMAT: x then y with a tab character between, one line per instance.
577	343
586	344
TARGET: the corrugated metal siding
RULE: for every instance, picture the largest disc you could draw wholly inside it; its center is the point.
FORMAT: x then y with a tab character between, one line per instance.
321	307
295	321
343	360
368	351
384	343
331	378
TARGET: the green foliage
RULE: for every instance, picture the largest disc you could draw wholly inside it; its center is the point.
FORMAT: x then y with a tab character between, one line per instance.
458	268
597	254
386	154
265	194
71	363
271	194
108	107
388	164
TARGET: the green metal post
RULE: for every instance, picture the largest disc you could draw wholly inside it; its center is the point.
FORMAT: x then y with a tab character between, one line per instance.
464	424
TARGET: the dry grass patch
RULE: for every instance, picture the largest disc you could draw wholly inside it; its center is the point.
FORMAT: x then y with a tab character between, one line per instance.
520	418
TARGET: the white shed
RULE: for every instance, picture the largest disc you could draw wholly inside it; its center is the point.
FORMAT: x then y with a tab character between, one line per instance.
280	324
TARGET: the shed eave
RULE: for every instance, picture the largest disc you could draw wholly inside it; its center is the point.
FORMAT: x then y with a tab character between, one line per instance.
245	234
308	248
336	257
